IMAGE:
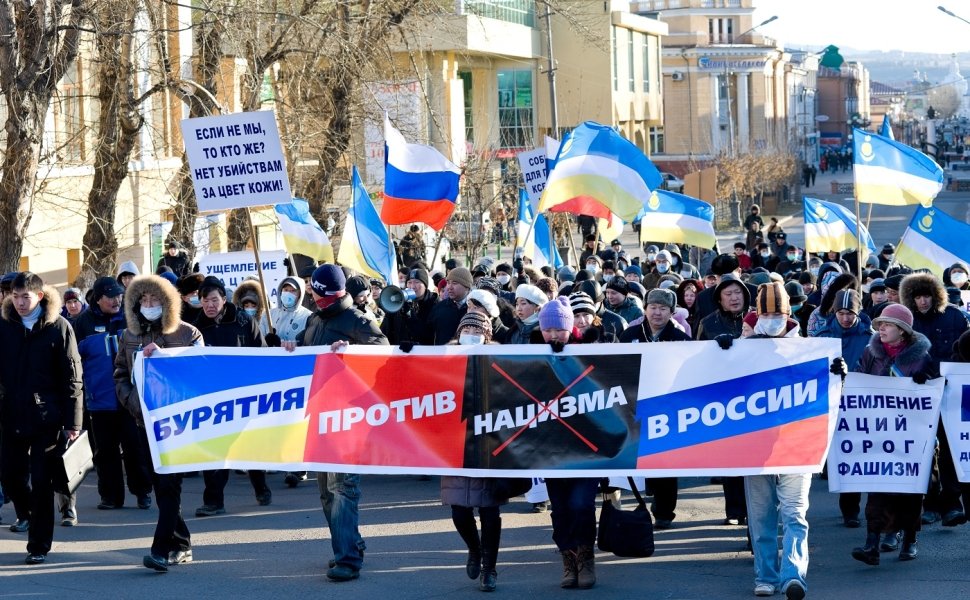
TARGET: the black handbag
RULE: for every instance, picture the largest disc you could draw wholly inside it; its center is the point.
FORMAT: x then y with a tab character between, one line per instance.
70	462
626	533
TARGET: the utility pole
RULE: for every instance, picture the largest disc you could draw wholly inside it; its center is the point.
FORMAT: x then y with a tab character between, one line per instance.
551	73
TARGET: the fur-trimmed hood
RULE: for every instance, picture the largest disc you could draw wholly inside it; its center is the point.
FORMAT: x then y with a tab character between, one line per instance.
51	305
912	353
249	288
171	303
923	284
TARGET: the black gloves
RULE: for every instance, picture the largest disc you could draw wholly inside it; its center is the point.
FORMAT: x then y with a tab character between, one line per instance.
725	340
406	347
838	368
273	340
920	378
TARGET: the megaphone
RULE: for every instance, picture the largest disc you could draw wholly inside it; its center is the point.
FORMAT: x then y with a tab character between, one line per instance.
393	298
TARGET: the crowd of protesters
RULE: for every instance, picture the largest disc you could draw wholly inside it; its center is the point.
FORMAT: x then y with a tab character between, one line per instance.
68	366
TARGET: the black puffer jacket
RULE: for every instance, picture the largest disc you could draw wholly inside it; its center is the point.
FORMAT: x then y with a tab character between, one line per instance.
341	321
943	323
720	322
40	371
231	328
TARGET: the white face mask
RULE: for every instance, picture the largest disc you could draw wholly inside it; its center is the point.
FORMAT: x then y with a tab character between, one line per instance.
607	278
288	299
194	301
958	278
504	279
152	313
592	268
771	326
651	257
471	339
765	254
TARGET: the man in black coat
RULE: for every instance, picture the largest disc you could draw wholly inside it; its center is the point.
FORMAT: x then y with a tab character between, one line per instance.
40	371
706	302
223	324
410	324
175	259
444	318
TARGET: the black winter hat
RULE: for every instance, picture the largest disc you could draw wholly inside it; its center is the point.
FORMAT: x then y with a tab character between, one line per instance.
189	284
355	285
724	264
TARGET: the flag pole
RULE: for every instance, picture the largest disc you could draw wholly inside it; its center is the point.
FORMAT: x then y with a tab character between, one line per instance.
858	233
572	243
259	270
869	215
437	247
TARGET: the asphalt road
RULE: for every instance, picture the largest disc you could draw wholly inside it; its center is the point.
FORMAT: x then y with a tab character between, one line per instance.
281	551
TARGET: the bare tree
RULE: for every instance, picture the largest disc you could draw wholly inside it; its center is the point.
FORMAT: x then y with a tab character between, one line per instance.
119	122
38	41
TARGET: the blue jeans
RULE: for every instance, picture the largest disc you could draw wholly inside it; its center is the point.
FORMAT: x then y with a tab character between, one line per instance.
768	497
339	494
573	503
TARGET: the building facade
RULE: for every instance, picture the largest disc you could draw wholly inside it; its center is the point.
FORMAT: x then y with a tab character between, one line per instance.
726	87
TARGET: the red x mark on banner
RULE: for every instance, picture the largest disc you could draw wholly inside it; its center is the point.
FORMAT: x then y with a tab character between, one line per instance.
543	408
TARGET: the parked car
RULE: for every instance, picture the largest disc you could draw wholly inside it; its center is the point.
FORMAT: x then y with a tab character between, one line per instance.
672	183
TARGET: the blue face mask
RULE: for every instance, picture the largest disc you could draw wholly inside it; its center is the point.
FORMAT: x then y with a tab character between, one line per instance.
795	308
250	311
288	299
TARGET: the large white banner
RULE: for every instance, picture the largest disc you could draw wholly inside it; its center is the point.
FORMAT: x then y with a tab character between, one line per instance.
885	434
956	415
235	267
236	160
594	410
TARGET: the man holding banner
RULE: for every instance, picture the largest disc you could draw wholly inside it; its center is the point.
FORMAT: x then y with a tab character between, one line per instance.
337	323
785	495
223	323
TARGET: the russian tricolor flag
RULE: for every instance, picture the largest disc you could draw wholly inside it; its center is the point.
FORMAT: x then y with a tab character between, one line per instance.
420	184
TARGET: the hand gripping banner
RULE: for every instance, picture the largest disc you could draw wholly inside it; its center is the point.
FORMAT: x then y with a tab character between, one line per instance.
666	409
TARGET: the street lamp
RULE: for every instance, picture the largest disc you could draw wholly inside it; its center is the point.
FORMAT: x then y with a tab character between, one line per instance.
761	24
943	10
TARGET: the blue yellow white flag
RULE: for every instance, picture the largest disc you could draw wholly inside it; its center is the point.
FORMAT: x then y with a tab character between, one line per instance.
597	171
538	244
831	226
886	130
676	218
934	240
366	245
888	172
301	232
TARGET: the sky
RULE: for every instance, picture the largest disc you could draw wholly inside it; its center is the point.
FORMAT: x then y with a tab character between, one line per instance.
910	25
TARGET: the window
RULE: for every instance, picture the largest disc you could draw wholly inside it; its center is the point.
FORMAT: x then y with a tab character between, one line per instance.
515	108
629	61
68	118
720	31
644	63
656	140
614	42
466	81
521	12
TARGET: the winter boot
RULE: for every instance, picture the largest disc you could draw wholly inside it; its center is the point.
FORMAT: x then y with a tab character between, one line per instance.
869	553
570	571
910	548
586	567
491	535
890	542
468	530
